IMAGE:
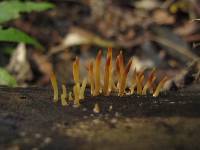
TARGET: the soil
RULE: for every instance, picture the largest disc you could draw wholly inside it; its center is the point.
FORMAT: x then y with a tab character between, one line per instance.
30	120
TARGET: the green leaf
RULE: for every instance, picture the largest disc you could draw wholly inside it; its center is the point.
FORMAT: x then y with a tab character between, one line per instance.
15	35
6	78
11	9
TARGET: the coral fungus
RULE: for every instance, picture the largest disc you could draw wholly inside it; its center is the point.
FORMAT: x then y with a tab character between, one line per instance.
64	96
91	77
97	73
139	84
55	86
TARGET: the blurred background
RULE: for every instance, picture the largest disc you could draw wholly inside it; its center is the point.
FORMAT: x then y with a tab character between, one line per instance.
41	36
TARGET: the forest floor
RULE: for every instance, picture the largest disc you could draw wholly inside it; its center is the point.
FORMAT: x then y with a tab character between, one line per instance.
30	120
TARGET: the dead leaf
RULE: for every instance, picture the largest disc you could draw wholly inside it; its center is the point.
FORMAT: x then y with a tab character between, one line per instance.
163	17
78	36
173	44
147	5
186	29
19	65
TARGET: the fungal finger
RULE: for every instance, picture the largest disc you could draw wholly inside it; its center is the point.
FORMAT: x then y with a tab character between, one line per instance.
124	78
133	82
149	82
121	69
70	96
97	73
114	87
76	91
106	77
148	85
82	90
91	78
160	85
76	88
121	62
118	72
110	84
139	79
109	52
64	96
76	70
96	108
55	86
110	108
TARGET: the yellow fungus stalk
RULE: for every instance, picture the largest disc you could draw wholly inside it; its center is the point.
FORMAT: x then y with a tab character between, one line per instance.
139	80
133	82
120	69
76	91
111	83
70	96
149	82
64	96
159	87
123	78
107	77
97	73
121	63
82	90
96	108
110	108
76	70
118	72
55	87
76	88
91	78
